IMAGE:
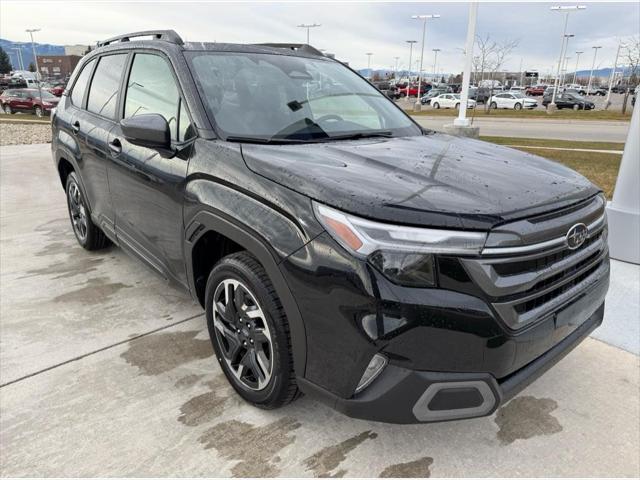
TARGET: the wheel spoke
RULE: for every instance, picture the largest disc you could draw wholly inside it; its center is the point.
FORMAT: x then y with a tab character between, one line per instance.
260	336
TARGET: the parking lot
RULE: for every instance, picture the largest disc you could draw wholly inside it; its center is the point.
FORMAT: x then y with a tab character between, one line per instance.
105	370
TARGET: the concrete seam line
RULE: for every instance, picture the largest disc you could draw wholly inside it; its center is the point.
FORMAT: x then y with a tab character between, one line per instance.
80	357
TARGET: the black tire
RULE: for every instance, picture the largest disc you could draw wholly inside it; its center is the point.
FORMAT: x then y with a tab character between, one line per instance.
457	106
436	105
576	107
38	111
493	106
87	234
281	387
517	106
8	110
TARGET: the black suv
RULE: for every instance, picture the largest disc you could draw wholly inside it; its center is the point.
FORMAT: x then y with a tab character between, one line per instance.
338	249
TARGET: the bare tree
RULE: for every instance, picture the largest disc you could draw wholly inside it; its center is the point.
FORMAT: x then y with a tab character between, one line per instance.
630	52
485	48
497	59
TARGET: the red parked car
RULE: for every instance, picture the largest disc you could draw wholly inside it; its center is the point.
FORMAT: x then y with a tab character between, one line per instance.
413	90
535	90
28	100
58	89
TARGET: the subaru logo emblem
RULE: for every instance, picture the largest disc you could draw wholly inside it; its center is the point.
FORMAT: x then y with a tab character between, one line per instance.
577	235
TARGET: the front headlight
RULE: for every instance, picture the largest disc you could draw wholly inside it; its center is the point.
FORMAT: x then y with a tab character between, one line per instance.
403	254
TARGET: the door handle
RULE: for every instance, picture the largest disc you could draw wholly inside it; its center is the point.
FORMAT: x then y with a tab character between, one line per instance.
75	128
115	146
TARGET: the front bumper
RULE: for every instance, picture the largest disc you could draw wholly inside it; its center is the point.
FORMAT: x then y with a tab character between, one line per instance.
401	395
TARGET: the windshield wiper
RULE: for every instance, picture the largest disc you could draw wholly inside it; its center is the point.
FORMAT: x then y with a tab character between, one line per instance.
358	135
263	141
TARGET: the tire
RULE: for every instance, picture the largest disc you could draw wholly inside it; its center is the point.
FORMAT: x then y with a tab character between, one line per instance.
576	107
87	234
38	111
493	106
457	106
403	94
517	106
436	105
268	380
8	110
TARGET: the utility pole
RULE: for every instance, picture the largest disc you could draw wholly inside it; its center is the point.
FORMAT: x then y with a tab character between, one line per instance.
369	64
410	42
607	102
418	106
31	31
565	67
435	63
309	26
595	52
395	72
567	9
575	73
19	57
521	72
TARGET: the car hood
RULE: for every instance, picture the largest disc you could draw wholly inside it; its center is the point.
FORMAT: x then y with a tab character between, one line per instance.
436	179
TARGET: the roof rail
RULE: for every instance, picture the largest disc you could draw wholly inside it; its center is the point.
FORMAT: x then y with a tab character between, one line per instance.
167	35
299	47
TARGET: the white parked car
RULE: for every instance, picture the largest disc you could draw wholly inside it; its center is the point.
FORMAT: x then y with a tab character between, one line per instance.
450	100
514	100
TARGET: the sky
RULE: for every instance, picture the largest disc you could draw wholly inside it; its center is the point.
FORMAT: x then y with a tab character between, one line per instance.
348	29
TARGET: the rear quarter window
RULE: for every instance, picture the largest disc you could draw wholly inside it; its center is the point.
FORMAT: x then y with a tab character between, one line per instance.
103	92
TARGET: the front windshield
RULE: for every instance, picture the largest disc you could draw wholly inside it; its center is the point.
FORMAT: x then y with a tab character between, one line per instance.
282	97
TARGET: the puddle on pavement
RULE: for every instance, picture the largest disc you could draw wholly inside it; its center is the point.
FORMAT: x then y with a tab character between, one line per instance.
95	291
161	352
417	469
188	381
329	458
207	406
526	417
80	265
254	446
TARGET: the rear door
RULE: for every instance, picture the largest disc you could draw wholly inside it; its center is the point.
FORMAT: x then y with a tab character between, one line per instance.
148	188
92	125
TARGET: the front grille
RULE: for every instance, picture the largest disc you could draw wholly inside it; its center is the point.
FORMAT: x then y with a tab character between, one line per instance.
530	282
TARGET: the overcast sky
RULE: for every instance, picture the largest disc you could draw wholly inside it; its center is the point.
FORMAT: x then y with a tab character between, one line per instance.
348	29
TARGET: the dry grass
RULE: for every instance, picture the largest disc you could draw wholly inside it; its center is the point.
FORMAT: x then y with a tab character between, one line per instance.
542	142
538	113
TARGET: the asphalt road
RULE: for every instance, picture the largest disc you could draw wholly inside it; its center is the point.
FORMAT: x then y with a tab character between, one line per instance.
106	371
590	130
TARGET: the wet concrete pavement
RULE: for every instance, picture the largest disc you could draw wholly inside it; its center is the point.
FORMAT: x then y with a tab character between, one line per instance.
106	371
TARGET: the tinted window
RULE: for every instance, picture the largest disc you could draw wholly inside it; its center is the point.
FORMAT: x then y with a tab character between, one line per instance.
152	89
103	92
77	94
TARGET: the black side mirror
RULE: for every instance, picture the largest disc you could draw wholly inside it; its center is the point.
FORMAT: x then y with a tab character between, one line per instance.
149	130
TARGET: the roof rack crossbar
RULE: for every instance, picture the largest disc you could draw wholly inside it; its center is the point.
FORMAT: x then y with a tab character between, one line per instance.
300	47
166	35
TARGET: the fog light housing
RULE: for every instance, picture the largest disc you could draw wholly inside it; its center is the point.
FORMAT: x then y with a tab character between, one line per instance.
375	367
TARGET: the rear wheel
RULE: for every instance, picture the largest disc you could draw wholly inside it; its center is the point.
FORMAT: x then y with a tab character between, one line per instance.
88	235
457	106
576	107
517	106
436	105
38	111
493	105
8	110
250	332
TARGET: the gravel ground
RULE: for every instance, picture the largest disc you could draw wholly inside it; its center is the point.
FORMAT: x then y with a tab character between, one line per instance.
24	133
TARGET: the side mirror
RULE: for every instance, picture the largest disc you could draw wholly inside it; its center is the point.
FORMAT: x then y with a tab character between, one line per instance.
149	130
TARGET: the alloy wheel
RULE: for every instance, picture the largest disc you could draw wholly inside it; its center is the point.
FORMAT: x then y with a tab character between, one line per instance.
243	334
38	112
78	211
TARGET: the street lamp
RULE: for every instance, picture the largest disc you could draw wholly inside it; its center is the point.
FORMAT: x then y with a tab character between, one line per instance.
567	36
369	63
575	73
31	31
567	9
395	71
19	57
309	26
424	18
565	67
595	52
607	102
410	42
435	63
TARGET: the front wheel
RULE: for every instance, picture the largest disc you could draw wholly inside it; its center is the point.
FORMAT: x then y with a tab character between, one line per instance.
576	107
8	110
38	111
457	106
250	332
436	105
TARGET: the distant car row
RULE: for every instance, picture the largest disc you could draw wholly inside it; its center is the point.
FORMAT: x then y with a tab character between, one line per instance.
28	100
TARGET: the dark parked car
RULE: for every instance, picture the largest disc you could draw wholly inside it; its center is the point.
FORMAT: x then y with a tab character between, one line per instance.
28	100
570	100
337	248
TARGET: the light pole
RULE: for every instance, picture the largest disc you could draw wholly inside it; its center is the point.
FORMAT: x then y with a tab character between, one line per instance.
462	122
565	67
395	72
575	73
435	63
31	31
564	63
418	106
613	74
567	9
410	42
19	57
593	64
369	63
309	26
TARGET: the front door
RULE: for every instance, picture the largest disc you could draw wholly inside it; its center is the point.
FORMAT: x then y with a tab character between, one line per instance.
147	188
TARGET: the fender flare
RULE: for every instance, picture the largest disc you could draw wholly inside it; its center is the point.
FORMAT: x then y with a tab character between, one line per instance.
206	221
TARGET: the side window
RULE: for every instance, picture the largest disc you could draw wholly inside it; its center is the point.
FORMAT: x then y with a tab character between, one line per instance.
77	94
152	89
103	92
